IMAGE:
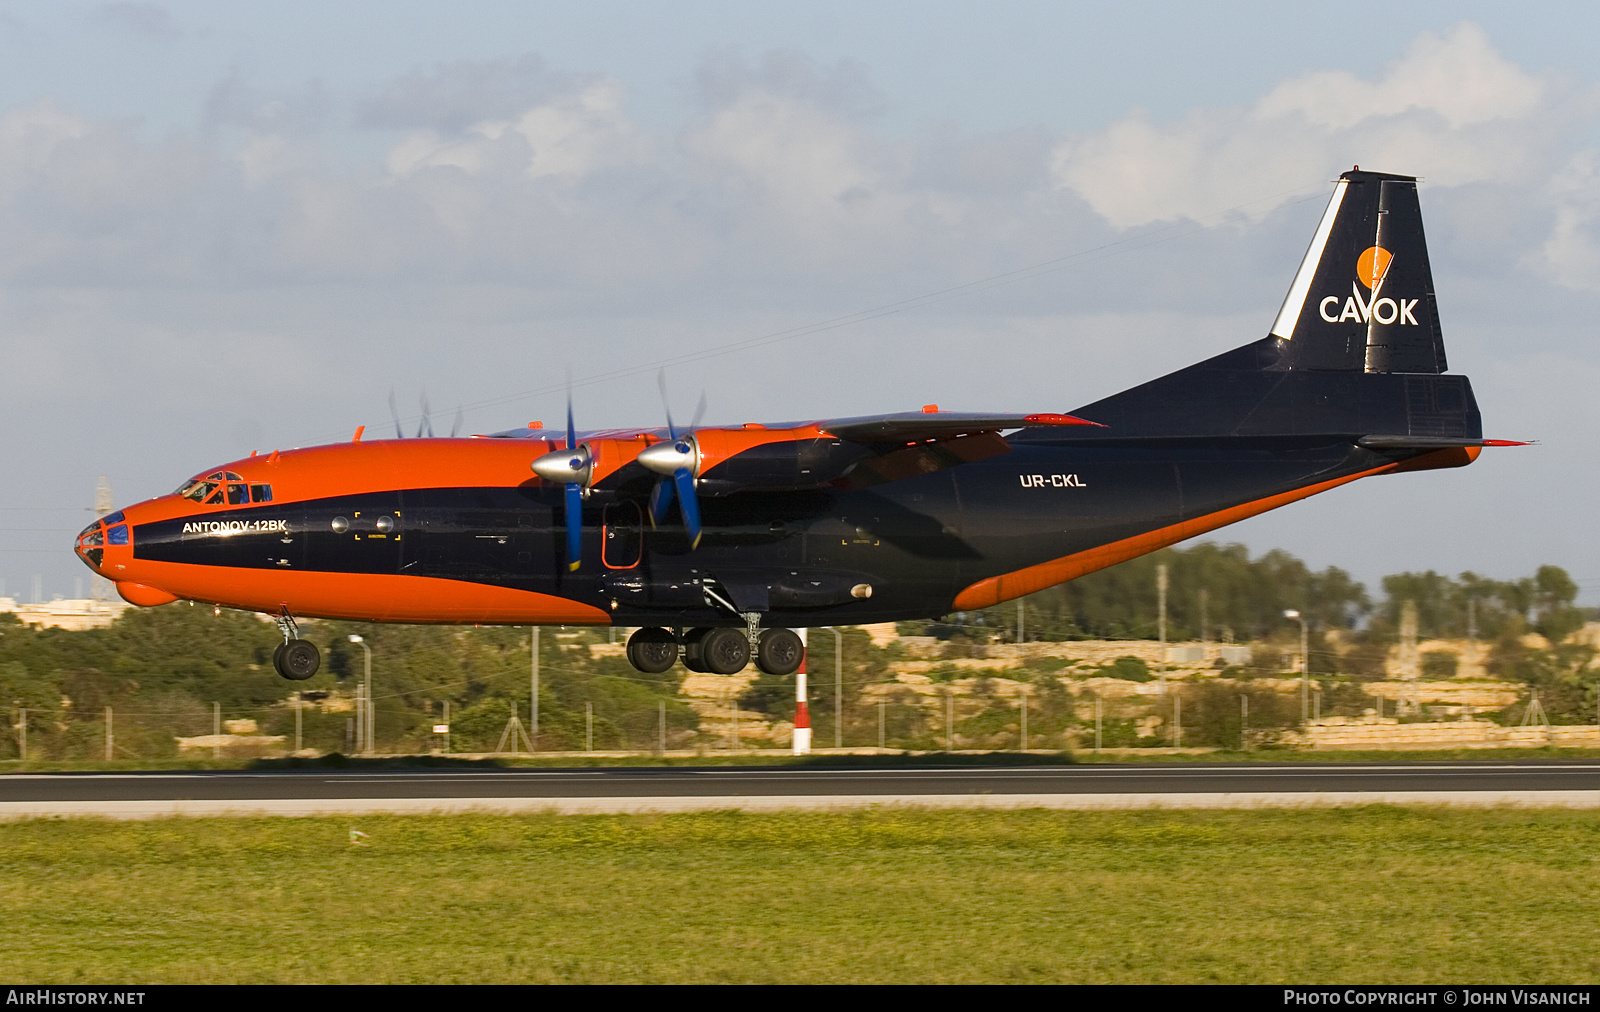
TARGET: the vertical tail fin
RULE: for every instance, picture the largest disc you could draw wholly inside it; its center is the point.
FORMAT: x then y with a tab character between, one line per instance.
1355	351
1363	298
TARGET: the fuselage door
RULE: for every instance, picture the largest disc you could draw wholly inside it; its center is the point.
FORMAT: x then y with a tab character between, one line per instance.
622	535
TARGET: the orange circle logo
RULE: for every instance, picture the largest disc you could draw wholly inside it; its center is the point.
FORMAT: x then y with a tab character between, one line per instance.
1373	265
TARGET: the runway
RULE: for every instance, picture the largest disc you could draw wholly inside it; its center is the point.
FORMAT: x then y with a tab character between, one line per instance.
634	789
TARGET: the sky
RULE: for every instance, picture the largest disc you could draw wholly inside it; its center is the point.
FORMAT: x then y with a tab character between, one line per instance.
228	227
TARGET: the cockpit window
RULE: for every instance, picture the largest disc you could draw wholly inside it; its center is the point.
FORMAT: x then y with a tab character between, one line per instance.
224	488
199	490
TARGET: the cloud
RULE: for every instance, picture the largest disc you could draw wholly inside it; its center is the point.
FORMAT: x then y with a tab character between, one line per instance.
1450	109
778	183
1572	251
235	102
450	97
843	89
574	134
148	20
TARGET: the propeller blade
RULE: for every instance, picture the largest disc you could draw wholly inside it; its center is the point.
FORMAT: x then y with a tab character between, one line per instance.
455	426
426	425
675	460
574	526
660	502
661	381
572	430
394	412
688	504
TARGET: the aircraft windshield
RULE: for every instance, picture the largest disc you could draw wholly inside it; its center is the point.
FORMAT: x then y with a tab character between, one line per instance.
224	488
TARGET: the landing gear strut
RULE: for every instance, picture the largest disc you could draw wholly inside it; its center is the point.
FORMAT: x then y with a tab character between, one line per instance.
294	658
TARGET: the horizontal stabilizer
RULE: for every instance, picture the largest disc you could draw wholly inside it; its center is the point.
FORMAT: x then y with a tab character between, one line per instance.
1430	442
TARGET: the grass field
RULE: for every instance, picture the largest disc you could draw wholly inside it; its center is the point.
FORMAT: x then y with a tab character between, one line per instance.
1371	895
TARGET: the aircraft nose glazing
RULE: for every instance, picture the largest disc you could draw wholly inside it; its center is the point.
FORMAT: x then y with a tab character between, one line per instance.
91	543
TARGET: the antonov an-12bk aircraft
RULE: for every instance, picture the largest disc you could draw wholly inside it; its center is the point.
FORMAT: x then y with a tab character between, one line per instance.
719	541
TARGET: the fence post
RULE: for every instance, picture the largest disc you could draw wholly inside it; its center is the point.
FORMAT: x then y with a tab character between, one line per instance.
110	736
1023	695
216	729
949	721
1244	722
661	725
1098	713
588	727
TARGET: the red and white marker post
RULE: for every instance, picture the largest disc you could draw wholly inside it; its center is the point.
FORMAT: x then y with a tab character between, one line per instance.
802	716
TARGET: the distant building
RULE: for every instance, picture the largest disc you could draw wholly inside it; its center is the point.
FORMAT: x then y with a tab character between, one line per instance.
84	613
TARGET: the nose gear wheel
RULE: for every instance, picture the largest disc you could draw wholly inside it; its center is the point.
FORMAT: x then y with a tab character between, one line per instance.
297	660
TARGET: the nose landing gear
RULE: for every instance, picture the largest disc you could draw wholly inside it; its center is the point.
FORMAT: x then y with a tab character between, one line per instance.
295	659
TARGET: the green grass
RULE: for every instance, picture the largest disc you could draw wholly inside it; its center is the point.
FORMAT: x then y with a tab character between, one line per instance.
1377	895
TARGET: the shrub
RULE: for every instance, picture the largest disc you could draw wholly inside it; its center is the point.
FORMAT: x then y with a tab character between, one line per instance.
1129	668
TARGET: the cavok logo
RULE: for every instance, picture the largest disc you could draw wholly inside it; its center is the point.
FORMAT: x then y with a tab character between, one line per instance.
1371	269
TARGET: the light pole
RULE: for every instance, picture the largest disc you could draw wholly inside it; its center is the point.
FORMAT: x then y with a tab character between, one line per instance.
364	719
838	687
1305	664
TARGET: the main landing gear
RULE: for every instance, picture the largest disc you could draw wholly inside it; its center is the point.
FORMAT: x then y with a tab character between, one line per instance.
715	651
295	658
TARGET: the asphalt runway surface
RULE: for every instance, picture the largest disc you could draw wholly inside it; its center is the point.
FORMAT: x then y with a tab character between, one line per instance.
637	789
